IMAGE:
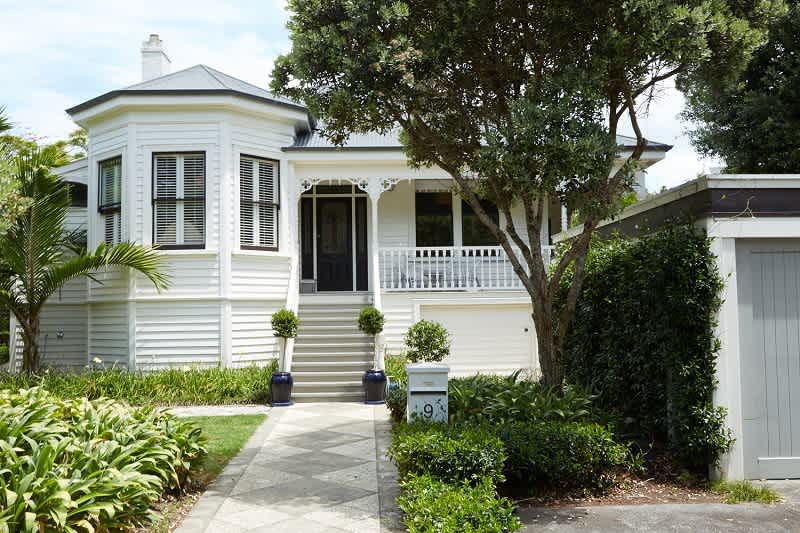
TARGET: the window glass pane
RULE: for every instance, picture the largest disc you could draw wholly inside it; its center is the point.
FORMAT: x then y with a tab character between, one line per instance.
473	231
334	189
434	218
77	194
258	202
110	182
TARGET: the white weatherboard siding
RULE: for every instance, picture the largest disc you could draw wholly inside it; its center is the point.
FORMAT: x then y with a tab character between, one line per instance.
194	274
177	333
253	341
63	336
261	275
108	333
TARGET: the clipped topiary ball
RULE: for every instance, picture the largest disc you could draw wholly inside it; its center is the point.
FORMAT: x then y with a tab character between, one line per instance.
427	341
370	321
284	324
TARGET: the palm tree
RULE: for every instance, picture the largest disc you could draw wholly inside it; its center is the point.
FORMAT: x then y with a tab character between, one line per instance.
37	256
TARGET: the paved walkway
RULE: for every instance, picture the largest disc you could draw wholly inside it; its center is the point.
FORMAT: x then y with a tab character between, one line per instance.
308	468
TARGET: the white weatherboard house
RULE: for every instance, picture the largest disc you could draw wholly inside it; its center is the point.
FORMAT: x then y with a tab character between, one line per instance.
256	211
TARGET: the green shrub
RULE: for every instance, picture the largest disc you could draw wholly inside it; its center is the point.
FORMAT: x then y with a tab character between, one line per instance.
500	400
3	354
643	338
370	321
561	455
195	386
427	341
432	506
451	454
396	402
745	491
285	323
72	465
396	368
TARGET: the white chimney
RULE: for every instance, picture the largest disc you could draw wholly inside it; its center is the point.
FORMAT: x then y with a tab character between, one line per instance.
155	62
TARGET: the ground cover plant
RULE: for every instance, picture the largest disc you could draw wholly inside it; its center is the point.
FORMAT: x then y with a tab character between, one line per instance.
195	386
80	465
448	453
745	491
643	340
431	505
226	436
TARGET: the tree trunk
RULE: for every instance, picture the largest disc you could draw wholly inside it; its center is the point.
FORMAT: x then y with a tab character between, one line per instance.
30	350
549	357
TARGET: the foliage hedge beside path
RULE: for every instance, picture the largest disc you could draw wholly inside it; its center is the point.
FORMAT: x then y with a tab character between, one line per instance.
643	340
194	386
80	465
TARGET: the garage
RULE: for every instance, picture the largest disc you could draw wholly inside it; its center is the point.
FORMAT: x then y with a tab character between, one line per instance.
487	338
769	317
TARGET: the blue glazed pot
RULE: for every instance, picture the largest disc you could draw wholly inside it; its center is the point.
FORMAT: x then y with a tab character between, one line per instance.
374	387
282	389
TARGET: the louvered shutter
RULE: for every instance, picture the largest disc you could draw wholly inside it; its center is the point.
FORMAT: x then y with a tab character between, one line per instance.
111	199
166	194
179	209
258	205
194	199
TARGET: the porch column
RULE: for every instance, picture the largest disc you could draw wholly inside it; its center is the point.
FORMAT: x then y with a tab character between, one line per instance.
374	187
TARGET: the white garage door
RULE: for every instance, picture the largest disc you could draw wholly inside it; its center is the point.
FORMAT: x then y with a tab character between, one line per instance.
769	317
487	338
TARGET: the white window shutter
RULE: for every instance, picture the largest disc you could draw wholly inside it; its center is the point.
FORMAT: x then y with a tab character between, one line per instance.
267	216
258	205
246	211
194	199
166	185
110	199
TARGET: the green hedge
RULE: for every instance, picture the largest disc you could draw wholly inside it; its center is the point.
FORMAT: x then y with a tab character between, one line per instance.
211	386
448	453
76	465
561	456
433	506
643	339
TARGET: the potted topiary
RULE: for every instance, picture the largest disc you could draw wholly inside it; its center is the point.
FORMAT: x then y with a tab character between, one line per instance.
370	321
284	326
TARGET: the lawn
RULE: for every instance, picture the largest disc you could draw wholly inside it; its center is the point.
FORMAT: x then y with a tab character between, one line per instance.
226	437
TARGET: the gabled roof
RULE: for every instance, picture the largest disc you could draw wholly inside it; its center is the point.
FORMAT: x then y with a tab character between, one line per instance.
313	141
196	80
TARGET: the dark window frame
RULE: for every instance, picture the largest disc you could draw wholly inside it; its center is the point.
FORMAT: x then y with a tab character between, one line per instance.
277	186
467	211
113	208
155	200
450	216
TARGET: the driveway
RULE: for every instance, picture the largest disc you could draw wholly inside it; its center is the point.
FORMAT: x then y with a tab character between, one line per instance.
743	517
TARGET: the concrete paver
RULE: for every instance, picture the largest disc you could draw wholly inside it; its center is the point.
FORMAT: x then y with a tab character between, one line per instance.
309	467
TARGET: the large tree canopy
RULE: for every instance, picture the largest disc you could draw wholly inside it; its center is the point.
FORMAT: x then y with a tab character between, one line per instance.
520	102
753	122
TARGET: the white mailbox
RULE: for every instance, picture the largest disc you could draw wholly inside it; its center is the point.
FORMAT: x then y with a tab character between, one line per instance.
427	392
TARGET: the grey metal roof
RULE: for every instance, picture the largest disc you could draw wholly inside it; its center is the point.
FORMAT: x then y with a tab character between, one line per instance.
314	141
196	80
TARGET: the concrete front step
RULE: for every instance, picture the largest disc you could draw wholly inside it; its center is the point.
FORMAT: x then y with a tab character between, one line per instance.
327	376
323	347
329	328
327	386
331	366
307	397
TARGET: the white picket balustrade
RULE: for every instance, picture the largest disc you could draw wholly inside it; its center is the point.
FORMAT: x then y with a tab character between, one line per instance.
447	268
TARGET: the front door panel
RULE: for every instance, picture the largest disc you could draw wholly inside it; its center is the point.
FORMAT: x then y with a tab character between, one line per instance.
334	244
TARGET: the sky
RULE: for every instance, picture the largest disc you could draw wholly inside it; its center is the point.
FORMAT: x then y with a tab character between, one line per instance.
56	54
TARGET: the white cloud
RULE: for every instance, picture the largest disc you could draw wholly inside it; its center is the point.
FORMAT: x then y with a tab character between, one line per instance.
43	116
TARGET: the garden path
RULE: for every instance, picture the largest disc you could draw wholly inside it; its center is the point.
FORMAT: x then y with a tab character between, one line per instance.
309	468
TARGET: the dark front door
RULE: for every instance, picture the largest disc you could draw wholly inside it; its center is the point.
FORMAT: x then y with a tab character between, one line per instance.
334	244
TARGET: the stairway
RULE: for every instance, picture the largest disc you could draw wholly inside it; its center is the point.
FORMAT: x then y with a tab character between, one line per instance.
330	352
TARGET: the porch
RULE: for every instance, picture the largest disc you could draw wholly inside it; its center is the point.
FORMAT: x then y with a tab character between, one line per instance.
398	235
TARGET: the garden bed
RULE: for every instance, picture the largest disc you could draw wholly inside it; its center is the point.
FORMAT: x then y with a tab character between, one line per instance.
170	387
